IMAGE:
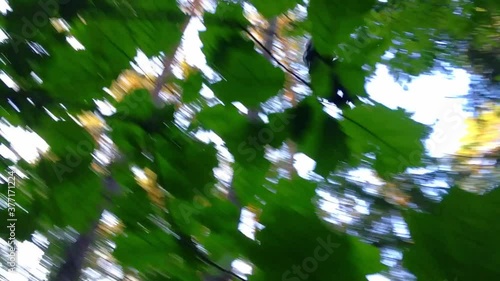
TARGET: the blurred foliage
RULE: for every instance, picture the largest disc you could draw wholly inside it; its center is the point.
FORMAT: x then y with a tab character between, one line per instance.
176	222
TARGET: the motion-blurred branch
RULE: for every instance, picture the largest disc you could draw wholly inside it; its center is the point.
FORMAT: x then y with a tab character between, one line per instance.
169	58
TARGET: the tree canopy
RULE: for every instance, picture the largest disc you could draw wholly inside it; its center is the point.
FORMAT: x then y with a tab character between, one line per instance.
128	172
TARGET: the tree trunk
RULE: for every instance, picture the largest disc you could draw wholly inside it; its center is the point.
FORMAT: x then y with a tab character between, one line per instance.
72	266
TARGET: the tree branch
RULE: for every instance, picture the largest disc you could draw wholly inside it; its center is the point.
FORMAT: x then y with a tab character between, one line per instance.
270	55
169	60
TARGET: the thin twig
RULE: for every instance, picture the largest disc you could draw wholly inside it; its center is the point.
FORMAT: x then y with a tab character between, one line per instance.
212	263
275	59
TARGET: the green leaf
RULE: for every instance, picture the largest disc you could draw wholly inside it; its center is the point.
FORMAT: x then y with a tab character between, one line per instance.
225	121
157	250
394	138
184	164
295	244
223	27
132	205
274	8
129	137
192	86
333	21
72	144
68	68
137	105
249	181
318	135
458	240
248	78
352	78
122	28
84	192
322	81
245	140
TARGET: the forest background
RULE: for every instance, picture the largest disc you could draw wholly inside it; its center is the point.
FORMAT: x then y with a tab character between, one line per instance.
134	149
